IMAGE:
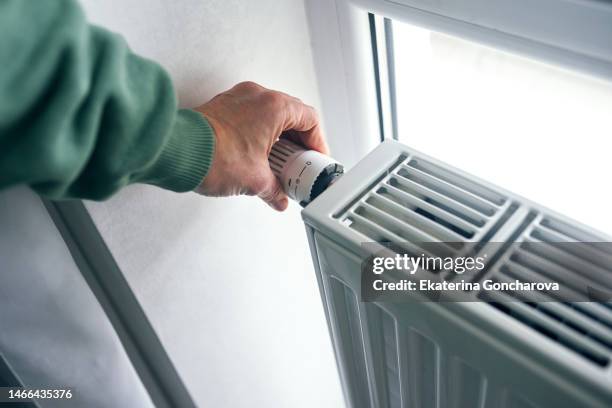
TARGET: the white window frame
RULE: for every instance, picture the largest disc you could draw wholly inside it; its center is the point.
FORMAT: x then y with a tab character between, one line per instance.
572	33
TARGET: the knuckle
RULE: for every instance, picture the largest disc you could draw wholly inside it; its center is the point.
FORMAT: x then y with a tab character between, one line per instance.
274	100
248	86
259	186
315	114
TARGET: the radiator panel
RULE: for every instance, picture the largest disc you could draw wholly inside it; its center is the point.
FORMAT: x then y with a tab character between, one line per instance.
455	355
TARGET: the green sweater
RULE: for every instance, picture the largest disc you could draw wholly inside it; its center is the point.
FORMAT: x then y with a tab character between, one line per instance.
82	116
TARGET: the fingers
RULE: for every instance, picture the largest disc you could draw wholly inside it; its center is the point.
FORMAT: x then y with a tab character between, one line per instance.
272	192
304	127
300	118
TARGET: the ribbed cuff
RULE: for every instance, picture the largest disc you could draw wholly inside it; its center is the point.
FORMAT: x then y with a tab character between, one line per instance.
187	156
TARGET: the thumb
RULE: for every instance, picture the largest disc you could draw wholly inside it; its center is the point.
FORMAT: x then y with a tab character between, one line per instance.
273	194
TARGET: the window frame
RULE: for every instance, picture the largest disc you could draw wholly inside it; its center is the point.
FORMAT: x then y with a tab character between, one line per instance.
352	54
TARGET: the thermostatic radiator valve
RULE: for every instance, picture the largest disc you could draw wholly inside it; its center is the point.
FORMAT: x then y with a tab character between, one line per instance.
304	174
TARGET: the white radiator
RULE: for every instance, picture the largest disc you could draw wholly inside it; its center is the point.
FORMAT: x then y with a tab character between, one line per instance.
462	354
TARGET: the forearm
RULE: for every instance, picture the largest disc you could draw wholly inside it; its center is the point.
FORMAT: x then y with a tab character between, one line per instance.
81	116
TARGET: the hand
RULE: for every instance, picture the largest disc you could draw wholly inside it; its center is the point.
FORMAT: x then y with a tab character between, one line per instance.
247	120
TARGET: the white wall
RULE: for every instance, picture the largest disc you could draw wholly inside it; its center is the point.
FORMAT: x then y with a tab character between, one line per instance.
227	283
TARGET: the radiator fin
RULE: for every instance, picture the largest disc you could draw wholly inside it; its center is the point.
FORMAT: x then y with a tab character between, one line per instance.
464	385
383	338
391	362
420	371
348	325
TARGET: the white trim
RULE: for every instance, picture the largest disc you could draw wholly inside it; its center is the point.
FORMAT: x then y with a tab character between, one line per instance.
342	55
571	33
383	68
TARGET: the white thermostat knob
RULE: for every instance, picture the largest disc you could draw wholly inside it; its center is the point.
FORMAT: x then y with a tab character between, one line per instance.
304	174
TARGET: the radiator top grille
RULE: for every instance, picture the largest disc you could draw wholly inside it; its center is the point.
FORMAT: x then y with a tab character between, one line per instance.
419	201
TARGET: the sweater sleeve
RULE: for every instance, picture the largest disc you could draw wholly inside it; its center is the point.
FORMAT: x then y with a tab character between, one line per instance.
81	116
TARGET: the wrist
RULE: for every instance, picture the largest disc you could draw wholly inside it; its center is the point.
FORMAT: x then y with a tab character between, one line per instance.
187	155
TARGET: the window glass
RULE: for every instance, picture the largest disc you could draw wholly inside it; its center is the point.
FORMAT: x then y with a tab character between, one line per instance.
535	129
